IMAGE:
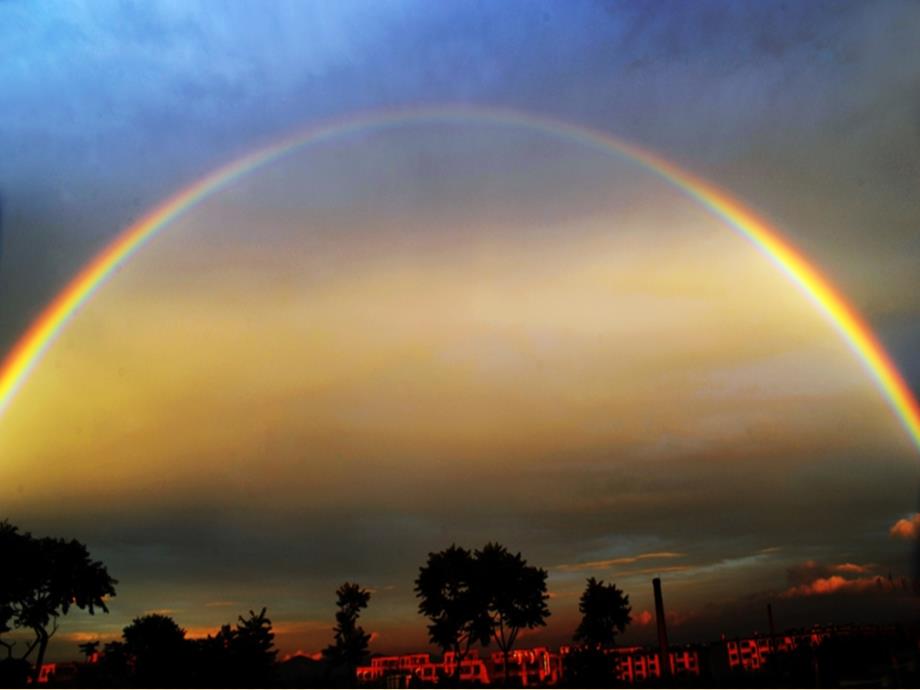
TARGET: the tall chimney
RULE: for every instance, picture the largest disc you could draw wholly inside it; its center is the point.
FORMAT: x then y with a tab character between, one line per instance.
663	657
772	628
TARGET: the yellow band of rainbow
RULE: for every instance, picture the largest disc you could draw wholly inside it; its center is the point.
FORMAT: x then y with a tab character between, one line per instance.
28	351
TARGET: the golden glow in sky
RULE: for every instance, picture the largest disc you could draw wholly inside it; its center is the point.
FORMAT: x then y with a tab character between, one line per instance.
610	358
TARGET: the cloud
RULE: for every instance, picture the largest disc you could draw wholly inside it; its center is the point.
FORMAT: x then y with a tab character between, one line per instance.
316	656
906	528
851	568
645	617
674	618
300	627
185	93
812	578
811	571
836	584
610	562
81	636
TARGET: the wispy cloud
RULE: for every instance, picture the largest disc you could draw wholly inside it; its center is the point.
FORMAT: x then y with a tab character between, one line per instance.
81	636
611	562
161	612
316	656
837	583
851	568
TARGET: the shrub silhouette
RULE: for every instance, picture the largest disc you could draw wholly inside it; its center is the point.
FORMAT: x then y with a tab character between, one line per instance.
157	649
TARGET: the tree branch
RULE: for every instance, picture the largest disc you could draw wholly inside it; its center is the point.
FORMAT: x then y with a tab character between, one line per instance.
31	647
9	648
501	640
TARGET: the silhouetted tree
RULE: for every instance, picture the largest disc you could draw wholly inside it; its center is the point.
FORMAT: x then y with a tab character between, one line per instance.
114	668
451	596
157	650
41	579
350	647
605	611
514	595
241	656
253	650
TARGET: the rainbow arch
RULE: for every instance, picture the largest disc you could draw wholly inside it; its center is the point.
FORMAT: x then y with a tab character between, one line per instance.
28	351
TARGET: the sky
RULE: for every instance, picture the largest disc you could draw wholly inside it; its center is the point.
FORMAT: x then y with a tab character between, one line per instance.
456	332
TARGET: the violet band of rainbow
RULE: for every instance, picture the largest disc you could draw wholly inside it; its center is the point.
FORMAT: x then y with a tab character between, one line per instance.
28	351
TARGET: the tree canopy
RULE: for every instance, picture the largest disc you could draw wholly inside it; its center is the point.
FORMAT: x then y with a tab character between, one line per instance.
155	652
41	580
475	597
451	597
157	648
515	595
605	612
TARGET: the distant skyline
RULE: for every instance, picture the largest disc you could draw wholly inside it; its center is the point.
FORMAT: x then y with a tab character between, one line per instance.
411	336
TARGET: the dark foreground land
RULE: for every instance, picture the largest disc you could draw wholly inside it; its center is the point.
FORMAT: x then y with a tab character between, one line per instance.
840	657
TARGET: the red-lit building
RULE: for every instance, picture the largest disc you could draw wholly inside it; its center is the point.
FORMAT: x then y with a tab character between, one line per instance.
638	664
752	653
527	667
634	665
537	666
62	673
401	671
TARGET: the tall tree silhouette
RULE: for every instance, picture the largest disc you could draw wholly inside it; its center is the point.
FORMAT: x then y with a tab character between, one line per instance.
41	579
253	649
350	647
451	596
605	612
514	594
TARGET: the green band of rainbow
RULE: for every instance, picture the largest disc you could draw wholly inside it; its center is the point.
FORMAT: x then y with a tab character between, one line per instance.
28	351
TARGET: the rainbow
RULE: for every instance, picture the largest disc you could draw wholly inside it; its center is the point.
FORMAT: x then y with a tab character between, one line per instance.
28	351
